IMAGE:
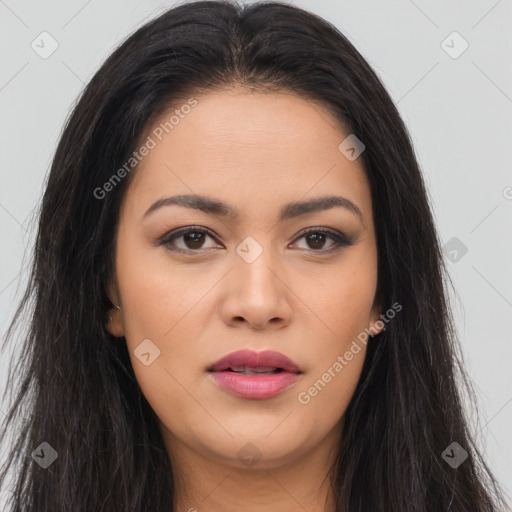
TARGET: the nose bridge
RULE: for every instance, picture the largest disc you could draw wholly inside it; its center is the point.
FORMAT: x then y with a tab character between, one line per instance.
258	294
256	262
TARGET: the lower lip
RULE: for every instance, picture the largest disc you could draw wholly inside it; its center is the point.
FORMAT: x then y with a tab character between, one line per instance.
254	386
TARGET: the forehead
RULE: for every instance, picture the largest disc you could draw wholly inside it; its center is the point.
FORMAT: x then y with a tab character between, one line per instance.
251	149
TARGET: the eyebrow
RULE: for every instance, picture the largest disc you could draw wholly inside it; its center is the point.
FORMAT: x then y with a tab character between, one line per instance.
212	206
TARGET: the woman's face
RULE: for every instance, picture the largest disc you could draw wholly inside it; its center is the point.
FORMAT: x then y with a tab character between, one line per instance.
251	280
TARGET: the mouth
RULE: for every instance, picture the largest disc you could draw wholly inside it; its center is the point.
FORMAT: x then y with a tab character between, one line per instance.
247	370
251	362
255	375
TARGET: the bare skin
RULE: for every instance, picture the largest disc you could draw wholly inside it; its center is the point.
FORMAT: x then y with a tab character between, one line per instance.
302	296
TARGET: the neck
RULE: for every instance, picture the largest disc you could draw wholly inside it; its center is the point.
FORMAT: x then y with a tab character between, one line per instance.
205	483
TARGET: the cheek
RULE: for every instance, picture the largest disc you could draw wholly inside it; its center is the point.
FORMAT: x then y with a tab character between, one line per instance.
336	363
342	302
156	293
158	305
342	296
326	394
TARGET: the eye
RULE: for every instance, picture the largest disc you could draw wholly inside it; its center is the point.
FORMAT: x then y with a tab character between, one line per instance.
316	238
192	239
191	236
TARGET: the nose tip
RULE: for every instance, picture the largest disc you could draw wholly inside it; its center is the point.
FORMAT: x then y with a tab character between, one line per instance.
256	295
259	325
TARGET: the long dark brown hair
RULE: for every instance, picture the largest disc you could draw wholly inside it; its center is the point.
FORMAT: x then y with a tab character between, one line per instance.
74	388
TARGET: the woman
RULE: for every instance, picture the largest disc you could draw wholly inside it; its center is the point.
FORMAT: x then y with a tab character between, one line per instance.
239	297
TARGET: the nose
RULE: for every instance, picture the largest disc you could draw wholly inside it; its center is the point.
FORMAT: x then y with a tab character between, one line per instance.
257	294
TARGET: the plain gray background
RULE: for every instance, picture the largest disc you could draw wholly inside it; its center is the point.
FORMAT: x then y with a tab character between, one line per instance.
457	105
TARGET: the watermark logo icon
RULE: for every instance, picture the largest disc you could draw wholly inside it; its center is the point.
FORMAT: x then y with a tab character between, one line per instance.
351	147
146	352
44	45
44	455
249	454
455	249
454	45
249	250
455	455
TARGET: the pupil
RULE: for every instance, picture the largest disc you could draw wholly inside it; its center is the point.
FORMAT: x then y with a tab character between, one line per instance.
195	238
316	235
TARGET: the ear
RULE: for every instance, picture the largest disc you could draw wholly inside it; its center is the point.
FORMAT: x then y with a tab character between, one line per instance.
376	324
115	321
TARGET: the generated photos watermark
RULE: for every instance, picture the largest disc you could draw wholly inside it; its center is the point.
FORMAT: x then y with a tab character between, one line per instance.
304	397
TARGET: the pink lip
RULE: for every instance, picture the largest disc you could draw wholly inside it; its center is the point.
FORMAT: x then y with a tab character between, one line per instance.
255	386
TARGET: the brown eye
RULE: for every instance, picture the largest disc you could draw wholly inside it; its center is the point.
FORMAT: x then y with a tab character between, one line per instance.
192	240
316	240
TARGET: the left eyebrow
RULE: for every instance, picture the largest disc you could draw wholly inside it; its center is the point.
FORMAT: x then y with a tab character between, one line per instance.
212	206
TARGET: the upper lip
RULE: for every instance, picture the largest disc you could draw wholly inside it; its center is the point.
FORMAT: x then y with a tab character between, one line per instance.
252	359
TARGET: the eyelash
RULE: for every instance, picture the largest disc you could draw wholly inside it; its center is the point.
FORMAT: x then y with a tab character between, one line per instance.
339	239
